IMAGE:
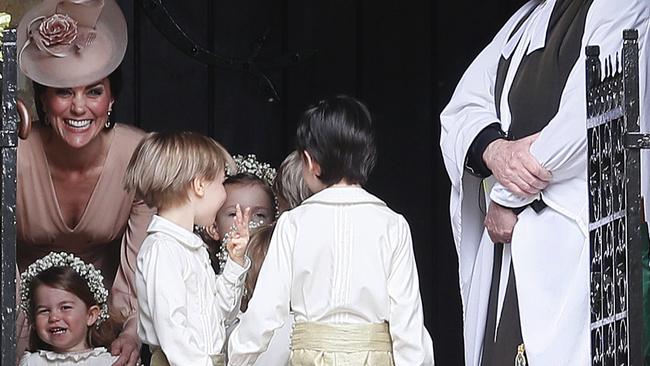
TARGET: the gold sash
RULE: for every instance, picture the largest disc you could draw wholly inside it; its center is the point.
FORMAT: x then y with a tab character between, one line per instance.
320	344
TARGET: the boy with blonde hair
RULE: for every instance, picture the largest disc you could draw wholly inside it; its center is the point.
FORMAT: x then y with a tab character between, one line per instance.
183	304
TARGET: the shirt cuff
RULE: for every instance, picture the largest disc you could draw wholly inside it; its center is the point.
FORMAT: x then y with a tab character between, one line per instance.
234	273
474	163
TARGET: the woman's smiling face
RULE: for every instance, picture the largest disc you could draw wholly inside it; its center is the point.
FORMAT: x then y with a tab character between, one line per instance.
77	115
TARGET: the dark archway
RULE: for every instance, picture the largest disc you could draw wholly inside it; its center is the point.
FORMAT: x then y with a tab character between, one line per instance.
402	58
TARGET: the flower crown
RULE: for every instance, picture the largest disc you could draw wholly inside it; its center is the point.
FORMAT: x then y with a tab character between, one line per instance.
88	272
250	164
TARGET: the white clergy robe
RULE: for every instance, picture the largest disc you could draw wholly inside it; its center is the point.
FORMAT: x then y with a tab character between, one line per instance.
550	250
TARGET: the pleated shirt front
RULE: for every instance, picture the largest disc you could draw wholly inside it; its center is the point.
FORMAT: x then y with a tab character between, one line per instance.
341	257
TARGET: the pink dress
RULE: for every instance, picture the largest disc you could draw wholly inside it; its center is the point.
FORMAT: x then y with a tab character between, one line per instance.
109	232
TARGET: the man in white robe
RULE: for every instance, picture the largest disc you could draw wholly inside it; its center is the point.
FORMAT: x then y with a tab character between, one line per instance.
549	249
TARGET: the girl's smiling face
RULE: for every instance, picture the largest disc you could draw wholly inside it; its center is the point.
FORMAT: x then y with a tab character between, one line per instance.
252	195
62	319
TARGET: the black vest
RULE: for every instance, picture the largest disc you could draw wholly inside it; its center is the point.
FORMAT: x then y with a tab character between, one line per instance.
537	87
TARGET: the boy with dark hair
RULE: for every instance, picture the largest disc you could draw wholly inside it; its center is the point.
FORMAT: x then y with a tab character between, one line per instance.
342	260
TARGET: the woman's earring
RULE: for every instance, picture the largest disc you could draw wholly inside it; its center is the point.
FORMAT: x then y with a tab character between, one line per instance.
109	123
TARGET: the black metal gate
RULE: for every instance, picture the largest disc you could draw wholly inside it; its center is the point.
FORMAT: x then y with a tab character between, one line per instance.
614	144
8	146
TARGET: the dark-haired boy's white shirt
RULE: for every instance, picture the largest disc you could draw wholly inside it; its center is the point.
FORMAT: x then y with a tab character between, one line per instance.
183	303
341	257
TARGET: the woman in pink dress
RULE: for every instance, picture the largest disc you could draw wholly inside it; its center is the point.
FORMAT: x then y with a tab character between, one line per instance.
70	194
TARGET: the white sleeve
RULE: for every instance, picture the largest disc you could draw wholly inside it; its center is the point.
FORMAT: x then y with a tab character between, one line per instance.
269	306
230	287
412	345
562	144
163	273
472	106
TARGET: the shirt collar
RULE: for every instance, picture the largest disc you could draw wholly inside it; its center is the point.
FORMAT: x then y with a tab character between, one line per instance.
344	195
161	225
537	30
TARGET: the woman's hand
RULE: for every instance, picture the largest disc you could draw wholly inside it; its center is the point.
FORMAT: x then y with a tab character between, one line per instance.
238	238
500	222
515	168
128	348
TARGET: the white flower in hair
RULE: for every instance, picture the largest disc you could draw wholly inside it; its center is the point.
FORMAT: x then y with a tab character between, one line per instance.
250	164
88	272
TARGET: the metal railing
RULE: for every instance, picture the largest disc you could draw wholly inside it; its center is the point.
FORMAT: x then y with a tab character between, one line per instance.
8	148
614	188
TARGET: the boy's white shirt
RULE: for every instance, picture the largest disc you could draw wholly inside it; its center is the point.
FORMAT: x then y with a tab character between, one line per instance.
341	257
183	303
550	251
278	350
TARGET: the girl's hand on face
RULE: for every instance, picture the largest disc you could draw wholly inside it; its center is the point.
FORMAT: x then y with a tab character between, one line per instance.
238	242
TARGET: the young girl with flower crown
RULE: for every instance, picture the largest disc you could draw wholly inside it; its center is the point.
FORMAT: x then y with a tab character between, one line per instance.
290	190
66	303
249	186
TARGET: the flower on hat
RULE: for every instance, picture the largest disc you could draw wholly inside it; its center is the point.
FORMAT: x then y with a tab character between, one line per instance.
58	29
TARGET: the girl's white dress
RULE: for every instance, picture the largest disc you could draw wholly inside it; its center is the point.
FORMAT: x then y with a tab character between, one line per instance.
98	356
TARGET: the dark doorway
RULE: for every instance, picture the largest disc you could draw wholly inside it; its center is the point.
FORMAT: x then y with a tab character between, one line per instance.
402	58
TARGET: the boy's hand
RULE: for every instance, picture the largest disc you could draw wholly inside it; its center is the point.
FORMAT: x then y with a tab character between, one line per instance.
238	242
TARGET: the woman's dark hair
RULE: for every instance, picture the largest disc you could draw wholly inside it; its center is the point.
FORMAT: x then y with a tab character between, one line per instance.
337	134
67	279
115	79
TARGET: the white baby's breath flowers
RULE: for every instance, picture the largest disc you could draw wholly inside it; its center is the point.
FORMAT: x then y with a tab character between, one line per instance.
88	272
250	164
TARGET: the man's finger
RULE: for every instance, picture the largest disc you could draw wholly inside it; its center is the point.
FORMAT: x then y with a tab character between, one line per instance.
535	169
528	140
530	184
514	189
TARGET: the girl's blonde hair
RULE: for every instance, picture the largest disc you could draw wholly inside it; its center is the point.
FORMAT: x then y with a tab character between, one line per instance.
258	246
289	186
164	165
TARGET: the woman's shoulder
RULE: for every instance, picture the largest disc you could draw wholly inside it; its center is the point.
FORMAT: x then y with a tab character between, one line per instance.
125	140
128	134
